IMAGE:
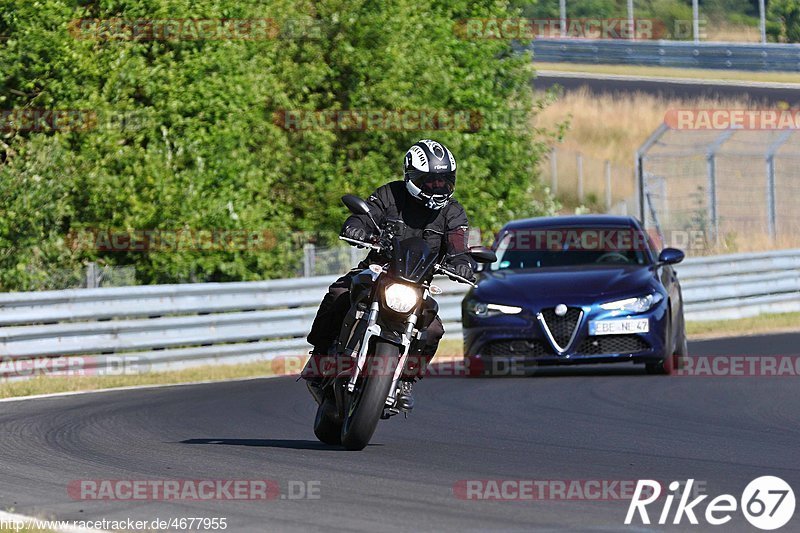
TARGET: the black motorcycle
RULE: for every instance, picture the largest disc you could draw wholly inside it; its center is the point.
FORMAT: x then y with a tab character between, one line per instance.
391	306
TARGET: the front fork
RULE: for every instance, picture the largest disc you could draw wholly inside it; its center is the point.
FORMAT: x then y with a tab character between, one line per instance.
374	329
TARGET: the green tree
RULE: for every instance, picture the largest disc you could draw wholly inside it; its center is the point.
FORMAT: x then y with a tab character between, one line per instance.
785	15
186	136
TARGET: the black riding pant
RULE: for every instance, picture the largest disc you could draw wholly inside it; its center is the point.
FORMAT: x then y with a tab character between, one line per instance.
333	309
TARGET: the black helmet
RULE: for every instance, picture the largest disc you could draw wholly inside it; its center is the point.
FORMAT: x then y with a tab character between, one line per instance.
430	173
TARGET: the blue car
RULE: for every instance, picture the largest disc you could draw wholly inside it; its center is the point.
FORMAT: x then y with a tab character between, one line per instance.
576	289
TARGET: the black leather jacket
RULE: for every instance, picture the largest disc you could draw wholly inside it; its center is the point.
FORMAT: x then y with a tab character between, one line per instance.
445	230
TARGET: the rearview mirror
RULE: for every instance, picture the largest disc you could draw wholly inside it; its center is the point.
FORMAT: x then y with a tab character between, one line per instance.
483	255
670	256
356	205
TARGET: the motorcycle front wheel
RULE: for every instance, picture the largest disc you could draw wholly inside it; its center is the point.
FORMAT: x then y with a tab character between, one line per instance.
365	405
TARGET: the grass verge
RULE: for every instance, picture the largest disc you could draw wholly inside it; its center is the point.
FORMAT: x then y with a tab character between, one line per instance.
448	350
755	325
669	72
53	384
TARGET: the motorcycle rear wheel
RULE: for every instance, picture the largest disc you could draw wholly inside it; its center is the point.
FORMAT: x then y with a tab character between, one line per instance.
327	425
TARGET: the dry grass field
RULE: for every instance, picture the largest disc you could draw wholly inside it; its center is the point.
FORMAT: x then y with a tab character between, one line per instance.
613	127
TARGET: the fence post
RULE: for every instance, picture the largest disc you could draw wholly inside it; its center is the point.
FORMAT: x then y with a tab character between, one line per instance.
711	169
580	177
772	222
554	171
309	259
638	162
711	172
608	185
92	276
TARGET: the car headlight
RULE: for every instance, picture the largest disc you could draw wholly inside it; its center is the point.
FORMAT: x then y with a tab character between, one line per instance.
482	309
400	298
634	305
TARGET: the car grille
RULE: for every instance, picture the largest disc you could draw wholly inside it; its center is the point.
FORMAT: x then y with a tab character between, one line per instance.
511	348
562	327
612	344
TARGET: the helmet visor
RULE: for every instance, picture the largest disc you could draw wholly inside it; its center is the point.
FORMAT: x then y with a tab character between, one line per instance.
434	184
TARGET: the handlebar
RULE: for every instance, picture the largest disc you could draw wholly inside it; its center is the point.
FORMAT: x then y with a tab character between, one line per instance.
439	269
365	244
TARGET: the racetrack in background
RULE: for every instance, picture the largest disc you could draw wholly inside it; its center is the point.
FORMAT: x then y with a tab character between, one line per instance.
669	88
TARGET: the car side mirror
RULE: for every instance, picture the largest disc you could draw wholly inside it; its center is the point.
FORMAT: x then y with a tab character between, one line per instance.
483	255
356	205
670	256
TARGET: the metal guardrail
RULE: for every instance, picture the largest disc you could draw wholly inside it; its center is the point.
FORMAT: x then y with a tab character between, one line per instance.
711	55
173	326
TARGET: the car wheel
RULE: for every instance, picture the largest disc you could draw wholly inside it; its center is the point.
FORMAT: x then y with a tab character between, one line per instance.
667	365
664	367
681	344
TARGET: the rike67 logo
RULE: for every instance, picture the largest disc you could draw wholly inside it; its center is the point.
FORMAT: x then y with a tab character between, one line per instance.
767	503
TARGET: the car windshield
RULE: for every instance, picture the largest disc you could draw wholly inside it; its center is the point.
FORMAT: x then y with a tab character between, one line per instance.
571	247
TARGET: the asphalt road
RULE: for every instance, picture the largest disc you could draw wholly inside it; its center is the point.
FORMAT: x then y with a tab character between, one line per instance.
670	89
614	423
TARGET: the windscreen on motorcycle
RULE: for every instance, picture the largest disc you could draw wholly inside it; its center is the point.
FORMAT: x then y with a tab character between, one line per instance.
412	260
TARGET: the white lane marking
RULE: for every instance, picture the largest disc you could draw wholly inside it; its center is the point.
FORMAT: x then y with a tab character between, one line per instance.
29	521
667	79
134	387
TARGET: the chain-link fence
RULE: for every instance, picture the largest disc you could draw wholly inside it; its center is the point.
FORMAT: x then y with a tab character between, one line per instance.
336	259
601	185
90	276
724	185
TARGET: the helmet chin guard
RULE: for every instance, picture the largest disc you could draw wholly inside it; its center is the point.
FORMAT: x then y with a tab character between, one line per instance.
431	201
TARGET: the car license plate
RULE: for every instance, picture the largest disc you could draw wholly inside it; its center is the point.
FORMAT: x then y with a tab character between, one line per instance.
616	327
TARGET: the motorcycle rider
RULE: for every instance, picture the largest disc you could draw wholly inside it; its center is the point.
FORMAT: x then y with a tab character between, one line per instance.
424	202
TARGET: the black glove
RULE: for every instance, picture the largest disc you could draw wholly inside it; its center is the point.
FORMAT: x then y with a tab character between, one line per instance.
359	234
465	271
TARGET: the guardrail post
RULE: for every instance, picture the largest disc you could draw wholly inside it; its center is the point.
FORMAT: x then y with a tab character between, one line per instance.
608	185
554	171
580	177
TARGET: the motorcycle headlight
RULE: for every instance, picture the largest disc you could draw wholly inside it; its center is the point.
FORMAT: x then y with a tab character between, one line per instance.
483	309
634	305
400	298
